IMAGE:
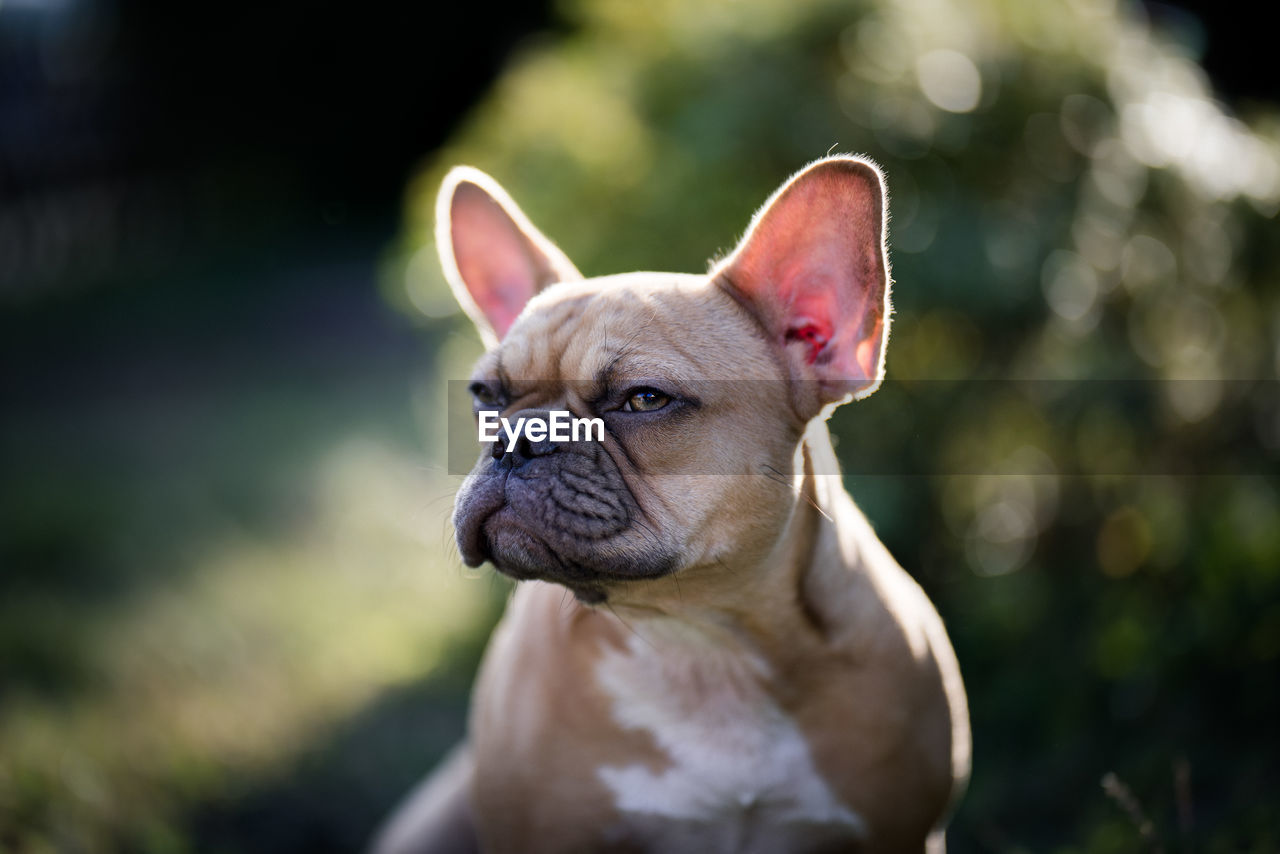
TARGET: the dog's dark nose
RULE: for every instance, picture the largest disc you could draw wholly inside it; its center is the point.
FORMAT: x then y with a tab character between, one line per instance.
524	449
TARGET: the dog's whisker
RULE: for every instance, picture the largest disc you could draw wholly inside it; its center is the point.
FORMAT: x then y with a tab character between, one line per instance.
798	489
725	567
628	626
675	579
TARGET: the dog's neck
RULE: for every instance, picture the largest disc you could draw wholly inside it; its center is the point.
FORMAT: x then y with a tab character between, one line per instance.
726	594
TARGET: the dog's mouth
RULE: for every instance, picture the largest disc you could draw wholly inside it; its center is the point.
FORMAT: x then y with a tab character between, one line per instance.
521	554
529	528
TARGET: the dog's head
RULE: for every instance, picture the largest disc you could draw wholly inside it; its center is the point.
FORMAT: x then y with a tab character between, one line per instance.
704	384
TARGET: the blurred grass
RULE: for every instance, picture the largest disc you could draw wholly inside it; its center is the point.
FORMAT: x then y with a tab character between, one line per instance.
212	568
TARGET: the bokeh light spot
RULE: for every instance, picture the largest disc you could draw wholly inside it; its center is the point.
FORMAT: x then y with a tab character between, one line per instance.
950	80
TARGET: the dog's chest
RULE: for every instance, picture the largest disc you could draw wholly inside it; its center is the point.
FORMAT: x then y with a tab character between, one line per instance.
739	772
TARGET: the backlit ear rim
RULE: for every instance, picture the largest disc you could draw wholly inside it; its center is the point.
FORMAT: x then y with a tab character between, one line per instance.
549	263
771	309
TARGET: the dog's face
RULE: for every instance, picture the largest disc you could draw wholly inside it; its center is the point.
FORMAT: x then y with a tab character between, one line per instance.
704	384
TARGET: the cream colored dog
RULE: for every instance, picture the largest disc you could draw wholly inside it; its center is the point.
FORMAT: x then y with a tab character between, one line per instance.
742	665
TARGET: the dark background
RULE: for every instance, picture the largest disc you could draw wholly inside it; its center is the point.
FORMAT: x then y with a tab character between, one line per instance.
240	127
193	202
144	144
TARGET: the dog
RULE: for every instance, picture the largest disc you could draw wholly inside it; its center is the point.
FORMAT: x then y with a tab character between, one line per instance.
708	648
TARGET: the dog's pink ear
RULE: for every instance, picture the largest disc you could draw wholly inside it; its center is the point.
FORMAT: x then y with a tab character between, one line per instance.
813	269
493	257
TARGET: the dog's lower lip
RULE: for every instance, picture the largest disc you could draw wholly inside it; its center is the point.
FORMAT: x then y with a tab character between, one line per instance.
507	543
473	545
519	539
476	506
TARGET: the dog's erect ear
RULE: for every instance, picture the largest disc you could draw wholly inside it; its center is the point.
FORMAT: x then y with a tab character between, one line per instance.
813	269
493	257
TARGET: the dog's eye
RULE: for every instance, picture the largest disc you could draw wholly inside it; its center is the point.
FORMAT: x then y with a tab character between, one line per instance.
484	395
646	400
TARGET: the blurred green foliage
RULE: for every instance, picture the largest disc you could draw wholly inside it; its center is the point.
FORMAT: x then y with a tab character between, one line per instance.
229	599
1085	251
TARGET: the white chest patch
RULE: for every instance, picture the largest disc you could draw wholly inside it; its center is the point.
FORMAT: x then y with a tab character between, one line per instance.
738	763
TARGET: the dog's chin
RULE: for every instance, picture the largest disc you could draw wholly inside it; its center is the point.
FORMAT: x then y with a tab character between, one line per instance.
519	551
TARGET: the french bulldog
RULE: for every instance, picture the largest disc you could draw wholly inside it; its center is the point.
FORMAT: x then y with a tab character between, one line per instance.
708	648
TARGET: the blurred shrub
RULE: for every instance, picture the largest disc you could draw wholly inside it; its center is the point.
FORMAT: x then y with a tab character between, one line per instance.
1083	363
